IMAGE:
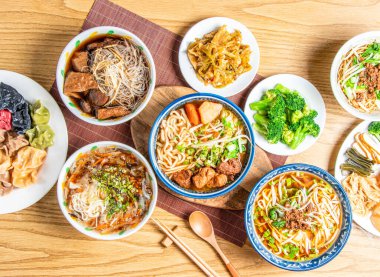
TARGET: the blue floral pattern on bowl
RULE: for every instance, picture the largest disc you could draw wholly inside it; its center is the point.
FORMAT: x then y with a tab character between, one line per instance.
179	103
319	261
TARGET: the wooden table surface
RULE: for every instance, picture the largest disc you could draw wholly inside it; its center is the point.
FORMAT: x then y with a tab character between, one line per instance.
299	37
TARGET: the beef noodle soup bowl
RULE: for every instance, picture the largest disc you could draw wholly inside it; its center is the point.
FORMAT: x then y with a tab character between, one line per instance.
105	75
107	190
298	217
201	146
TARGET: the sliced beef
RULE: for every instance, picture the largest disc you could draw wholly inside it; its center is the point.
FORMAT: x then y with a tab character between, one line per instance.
203	177
97	98
183	178
85	106
111	112
79	61
219	180
78	82
229	167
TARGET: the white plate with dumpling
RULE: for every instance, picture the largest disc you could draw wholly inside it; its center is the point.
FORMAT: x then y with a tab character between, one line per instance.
45	177
364	220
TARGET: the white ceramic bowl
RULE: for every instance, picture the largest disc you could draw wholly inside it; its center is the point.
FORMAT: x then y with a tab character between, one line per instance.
70	48
198	31
312	97
81	228
338	93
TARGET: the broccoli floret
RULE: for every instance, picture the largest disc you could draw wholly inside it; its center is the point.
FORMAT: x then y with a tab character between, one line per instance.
260	105
374	129
282	89
296	116
294	101
307	126
277	108
270	129
271	94
287	135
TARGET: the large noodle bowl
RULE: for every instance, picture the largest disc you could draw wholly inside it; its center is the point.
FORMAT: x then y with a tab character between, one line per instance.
297	216
202	146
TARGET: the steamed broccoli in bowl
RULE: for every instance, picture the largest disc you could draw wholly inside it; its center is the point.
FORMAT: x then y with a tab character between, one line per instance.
282	115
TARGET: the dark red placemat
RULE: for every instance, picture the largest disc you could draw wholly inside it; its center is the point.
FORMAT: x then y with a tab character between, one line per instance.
164	46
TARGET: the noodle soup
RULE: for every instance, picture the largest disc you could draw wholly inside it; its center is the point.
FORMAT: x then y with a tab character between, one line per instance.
108	190
297	216
202	146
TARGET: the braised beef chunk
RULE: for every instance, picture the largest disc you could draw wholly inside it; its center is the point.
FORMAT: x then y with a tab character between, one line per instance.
183	178
218	181
229	167
77	82
111	112
107	41
79	61
97	98
203	177
85	106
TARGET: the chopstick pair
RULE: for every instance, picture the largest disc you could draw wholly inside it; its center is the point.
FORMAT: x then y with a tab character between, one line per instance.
186	249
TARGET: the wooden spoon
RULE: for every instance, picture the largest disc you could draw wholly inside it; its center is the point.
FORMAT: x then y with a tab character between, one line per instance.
202	226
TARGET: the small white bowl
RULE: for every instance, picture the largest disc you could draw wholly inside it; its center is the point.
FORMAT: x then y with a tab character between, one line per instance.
198	31
70	48
312	97
338	93
80	227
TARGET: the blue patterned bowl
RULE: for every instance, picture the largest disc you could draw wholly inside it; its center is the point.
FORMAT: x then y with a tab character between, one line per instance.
326	257
179	103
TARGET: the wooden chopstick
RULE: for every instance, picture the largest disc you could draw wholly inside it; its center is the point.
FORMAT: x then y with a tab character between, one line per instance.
186	249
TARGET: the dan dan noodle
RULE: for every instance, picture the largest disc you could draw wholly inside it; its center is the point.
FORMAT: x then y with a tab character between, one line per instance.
297	216
202	146
108	190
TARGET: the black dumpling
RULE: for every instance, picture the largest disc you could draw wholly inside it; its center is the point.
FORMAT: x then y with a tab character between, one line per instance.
13	101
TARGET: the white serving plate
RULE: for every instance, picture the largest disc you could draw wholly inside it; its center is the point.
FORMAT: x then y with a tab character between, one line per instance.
21	198
198	31
364	222
312	97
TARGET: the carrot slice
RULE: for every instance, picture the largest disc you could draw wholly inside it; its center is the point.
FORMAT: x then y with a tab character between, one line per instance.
192	113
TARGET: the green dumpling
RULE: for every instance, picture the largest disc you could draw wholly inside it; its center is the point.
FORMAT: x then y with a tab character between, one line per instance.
40	114
41	136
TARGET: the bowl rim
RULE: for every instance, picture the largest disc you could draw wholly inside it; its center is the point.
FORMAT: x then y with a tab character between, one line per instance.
103	30
152	144
326	257
81	228
338	93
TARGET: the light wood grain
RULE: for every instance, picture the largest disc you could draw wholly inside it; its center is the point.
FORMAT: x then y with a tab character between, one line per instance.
299	37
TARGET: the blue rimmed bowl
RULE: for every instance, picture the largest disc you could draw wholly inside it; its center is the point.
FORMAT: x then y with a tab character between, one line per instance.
319	261
176	104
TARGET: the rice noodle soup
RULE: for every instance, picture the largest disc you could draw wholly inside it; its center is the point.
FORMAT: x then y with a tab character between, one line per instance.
297	216
108	190
202	146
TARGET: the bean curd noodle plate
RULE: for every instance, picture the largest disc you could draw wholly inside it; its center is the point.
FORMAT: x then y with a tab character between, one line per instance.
297	216
219	57
108	190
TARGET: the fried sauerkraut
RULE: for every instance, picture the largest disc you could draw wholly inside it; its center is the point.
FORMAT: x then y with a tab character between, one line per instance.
219	58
